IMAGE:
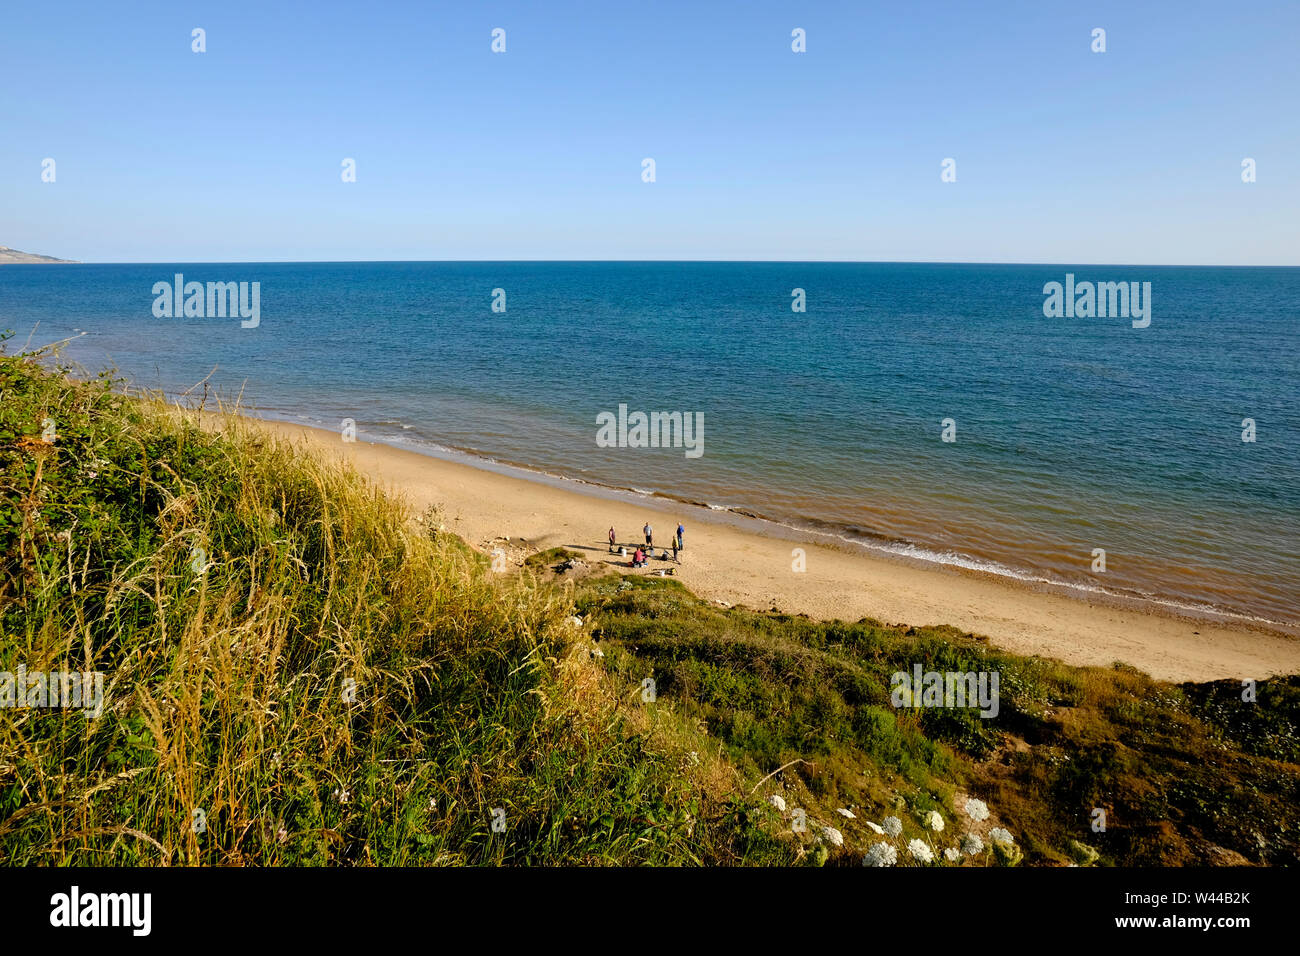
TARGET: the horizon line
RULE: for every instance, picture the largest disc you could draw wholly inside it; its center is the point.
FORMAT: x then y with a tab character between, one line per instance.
954	262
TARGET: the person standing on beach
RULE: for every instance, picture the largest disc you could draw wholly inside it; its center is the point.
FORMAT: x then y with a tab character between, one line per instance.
613	539
676	544
681	532
649	536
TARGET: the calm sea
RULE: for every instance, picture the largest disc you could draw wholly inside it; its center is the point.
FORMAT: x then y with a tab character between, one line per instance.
1072	434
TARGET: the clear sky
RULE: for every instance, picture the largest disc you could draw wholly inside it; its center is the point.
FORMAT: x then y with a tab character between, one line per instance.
1062	154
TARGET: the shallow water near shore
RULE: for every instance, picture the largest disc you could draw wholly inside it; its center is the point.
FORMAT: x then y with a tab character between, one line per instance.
1071	434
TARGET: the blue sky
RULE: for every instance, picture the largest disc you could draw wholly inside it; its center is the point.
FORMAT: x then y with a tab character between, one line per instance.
1063	155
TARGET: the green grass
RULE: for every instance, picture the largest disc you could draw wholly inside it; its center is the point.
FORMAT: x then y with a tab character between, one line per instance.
1185	774
544	560
234	590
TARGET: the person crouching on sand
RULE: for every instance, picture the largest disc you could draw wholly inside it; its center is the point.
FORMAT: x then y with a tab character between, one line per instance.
638	559
613	540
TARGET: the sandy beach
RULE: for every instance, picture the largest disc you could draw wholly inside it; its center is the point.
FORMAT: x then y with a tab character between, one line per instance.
739	565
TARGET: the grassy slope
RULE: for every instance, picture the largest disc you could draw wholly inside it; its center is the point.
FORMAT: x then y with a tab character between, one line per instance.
1186	774
229	590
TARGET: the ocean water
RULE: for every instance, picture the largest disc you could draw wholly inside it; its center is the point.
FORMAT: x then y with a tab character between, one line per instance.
1072	434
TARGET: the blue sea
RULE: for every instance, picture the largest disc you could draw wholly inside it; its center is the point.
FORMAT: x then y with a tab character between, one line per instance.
1071	434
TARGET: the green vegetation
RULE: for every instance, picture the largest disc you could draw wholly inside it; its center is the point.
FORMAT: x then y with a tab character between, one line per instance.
549	558
316	676
231	591
1187	774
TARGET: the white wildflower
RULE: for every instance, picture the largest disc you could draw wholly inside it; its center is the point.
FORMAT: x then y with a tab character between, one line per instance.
934	821
777	801
999	835
893	826
920	851
833	836
847	813
880	854
876	827
972	844
952	854
977	810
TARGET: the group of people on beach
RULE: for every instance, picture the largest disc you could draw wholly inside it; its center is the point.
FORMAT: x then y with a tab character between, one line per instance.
641	557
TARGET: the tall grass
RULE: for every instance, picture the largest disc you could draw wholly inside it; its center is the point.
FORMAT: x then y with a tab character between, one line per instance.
296	671
300	671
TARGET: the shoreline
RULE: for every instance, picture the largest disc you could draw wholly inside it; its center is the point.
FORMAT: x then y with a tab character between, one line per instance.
731	559
881	546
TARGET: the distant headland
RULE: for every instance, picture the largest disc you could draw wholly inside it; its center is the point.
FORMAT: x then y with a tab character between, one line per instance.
13	256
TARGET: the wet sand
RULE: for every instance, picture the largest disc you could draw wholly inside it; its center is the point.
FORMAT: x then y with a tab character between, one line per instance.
726	561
